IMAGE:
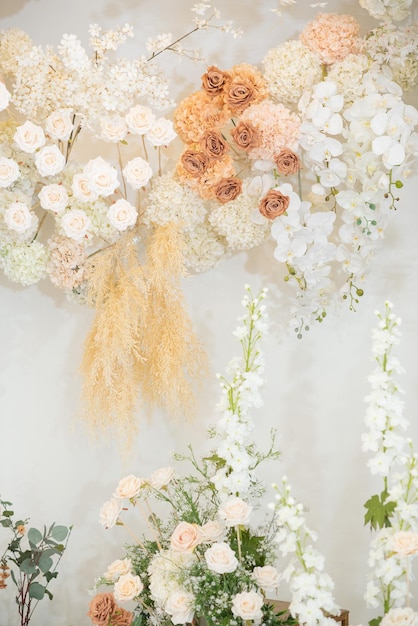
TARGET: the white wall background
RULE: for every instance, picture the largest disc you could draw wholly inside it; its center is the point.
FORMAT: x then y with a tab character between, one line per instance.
314	390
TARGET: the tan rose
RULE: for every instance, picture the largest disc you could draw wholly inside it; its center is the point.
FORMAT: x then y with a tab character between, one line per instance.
101	608
273	204
185	537
240	95
246	136
214	81
121	617
404	543
228	189
287	162
195	163
214	145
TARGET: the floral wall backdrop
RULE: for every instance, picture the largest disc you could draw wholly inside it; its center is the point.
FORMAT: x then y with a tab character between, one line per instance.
315	386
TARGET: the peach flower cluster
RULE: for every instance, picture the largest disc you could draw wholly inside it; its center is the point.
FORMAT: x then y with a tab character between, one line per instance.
332	36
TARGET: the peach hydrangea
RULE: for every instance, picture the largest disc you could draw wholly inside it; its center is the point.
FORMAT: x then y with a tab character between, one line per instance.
198	113
332	36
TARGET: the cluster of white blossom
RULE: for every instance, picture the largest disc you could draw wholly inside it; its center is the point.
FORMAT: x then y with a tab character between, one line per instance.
387	9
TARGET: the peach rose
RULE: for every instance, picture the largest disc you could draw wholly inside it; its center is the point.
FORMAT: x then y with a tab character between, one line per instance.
220	558
161	477
235	512
228	189
195	163
273	204
266	577
404	543
110	512
129	487
117	569
213	530
128	587
101	608
214	145
400	617
49	161
246	136
59	124
180	606
185	537
247	605
287	162
9	171
18	217
113	128
214	80
75	224
29	137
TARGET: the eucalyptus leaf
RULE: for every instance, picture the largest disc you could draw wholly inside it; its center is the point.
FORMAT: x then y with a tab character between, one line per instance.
27	567
34	536
59	533
36	591
45	563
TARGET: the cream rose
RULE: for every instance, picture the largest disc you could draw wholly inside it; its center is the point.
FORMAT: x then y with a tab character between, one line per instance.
179	605
9	171
4	96
404	543
161	132
113	128
137	172
29	137
213	530
185	537
59	124
75	224
139	119
53	198
122	214
161	477
18	217
400	617
117	569
102	177
128	587
266	577
82	190
49	161
220	558
129	487
235	512
247	605
110	512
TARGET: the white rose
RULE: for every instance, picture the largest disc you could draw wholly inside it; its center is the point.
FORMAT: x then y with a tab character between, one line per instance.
128	587
49	161
185	537
113	128
266	577
220	558
82	190
139	119
404	543
129	487
122	214
161	132
4	96
235	512
9	171
161	477
137	172
59	124
29	137
110	512
213	530
103	177
75	224
117	569
18	217
400	617
247	605
53	198
180	606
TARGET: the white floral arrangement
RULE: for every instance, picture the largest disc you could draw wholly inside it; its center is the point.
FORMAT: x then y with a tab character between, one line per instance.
210	557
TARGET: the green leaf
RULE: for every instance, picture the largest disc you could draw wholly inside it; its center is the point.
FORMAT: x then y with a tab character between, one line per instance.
45	563
8	513
378	511
34	536
36	591
375	621
49	594
27	567
50	575
59	533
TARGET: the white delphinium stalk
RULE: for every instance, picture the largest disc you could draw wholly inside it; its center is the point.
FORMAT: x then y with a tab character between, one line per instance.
395	511
235	452
311	587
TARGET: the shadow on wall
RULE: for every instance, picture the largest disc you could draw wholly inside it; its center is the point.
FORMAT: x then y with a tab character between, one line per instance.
10	7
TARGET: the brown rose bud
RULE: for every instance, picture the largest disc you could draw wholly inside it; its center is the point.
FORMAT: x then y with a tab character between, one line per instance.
240	95
194	162
287	162
101	608
273	204
228	189
246	136
120	617
214	145
214	80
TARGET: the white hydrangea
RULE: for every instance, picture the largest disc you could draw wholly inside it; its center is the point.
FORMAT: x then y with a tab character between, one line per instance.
24	263
387	9
203	248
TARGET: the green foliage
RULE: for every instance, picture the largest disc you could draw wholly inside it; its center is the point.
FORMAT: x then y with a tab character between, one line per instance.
379	511
375	621
35	556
